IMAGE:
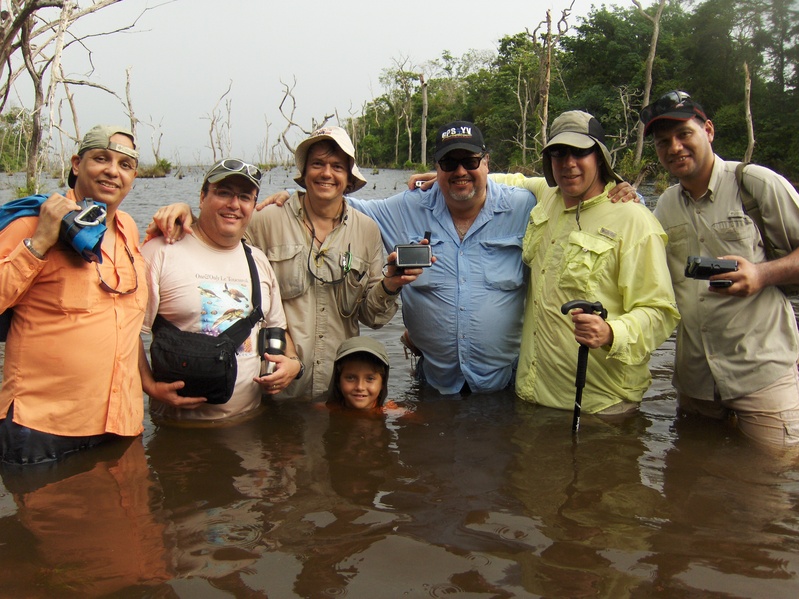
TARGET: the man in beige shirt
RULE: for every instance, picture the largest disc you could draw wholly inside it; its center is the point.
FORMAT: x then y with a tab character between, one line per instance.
737	346
328	259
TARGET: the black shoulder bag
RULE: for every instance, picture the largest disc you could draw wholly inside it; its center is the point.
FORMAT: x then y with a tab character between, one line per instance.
207	364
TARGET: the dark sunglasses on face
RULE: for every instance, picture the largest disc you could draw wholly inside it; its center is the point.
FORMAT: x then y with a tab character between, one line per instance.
470	163
560	151
667	103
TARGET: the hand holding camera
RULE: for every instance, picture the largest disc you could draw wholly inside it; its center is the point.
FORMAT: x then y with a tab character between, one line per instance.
700	267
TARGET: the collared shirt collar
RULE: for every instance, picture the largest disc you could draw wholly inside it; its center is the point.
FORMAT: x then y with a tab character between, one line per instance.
712	185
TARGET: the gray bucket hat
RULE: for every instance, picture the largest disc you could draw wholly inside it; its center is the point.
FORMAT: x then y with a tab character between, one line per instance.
577	129
338	136
99	138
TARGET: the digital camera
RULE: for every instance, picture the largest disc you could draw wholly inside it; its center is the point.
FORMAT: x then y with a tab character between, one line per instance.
413	255
700	267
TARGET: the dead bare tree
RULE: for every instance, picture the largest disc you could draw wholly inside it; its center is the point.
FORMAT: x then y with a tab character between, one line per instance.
545	63
41	38
289	99
750	128
219	126
423	141
650	61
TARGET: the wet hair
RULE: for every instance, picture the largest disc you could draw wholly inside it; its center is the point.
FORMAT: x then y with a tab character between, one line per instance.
337	397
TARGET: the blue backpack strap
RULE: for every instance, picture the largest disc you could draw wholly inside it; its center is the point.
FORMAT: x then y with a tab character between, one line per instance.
18	208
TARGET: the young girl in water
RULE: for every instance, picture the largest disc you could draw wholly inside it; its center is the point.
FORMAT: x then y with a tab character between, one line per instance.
360	374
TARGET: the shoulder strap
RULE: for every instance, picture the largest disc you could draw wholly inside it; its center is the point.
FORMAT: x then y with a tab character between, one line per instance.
240	330
752	208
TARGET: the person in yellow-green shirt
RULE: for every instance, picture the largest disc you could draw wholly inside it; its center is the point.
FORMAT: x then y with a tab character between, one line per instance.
579	245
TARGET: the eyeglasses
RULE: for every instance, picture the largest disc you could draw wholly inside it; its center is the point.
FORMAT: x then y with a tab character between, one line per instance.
560	151
106	287
345	262
227	194
470	163
667	103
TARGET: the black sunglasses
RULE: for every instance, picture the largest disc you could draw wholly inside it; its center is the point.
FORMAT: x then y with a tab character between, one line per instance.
470	163
667	103
560	151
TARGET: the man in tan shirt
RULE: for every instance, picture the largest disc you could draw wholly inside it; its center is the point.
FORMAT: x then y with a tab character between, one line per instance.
737	346
328	258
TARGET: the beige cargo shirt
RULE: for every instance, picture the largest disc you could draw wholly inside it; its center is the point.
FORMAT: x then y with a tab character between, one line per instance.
739	345
325	293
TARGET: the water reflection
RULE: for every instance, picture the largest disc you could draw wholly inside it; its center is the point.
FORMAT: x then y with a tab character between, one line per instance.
481	496
87	528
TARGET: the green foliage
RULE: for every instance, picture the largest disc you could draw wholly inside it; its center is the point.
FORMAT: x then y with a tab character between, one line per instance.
15	132
600	67
155	171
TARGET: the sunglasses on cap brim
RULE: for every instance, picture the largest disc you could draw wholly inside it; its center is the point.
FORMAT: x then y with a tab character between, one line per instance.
673	101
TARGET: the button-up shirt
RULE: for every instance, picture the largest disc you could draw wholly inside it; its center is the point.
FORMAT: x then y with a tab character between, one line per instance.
616	256
465	311
322	310
735	345
72	354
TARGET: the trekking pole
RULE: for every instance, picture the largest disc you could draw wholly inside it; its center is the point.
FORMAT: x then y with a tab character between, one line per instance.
582	354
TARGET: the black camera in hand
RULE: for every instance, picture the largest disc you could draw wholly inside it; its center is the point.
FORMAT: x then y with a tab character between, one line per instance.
700	267
271	340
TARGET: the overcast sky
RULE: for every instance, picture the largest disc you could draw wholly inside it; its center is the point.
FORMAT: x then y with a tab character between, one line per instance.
184	53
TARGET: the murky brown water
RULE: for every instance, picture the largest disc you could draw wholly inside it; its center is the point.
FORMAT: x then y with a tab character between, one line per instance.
481	496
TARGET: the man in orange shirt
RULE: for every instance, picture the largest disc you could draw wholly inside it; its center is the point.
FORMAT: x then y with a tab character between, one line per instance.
71	377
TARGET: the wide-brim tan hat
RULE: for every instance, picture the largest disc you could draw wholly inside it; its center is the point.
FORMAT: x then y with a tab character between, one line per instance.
338	136
577	129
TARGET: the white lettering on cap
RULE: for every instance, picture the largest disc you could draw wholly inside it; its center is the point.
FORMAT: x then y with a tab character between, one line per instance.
453	132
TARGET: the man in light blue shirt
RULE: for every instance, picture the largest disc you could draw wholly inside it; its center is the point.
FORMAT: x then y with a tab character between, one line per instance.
465	312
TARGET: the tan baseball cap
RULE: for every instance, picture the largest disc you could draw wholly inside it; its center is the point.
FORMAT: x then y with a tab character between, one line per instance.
99	138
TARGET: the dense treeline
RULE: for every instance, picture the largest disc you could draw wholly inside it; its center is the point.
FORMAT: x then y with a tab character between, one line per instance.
599	66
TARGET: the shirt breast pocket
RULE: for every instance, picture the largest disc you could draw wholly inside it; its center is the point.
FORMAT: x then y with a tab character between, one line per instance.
77	287
585	260
290	265
536	226
736	236
677	249
502	263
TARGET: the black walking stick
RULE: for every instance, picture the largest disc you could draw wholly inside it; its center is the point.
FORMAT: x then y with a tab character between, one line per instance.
582	355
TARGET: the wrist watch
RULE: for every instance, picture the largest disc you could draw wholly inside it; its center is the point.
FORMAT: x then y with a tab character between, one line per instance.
29	244
302	367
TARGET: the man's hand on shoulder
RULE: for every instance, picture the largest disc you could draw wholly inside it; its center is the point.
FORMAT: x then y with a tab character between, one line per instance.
423	181
623	192
173	222
278	198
